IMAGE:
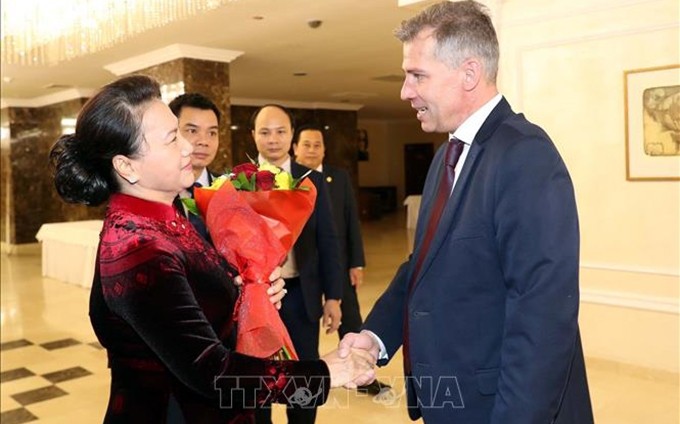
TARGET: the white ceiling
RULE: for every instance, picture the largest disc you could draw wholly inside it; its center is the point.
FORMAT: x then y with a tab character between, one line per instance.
342	58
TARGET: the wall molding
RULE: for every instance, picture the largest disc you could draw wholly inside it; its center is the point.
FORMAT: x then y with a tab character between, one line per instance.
572	12
666	305
666	272
170	53
244	101
597	36
522	49
49	99
631	368
24	249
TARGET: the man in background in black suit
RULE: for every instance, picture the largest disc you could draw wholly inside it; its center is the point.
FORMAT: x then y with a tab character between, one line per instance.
309	149
313	267
199	120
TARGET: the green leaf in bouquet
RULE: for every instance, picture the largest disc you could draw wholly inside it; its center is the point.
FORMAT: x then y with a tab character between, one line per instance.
190	204
244	183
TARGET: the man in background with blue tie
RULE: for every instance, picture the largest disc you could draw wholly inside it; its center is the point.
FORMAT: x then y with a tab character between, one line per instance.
486	307
199	120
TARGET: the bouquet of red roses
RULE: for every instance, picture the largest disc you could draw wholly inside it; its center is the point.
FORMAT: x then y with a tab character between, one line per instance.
254	215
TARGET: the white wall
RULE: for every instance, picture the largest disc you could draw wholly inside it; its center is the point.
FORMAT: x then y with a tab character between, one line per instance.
562	64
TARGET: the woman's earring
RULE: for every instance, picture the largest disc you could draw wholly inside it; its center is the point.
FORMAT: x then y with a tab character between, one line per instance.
132	180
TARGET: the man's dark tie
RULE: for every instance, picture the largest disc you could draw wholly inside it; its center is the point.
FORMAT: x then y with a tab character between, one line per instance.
453	152
195	220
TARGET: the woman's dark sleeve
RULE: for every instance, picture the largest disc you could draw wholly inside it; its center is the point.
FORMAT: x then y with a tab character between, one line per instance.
155	299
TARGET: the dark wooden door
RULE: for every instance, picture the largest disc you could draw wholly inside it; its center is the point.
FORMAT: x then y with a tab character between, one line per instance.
417	159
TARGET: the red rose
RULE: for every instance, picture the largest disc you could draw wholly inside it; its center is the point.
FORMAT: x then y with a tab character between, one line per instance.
264	180
247	168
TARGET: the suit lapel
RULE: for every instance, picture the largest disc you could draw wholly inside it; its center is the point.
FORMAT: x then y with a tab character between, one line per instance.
445	225
295	169
428	196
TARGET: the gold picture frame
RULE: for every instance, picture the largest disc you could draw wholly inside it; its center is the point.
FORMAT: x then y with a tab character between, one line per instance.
652	114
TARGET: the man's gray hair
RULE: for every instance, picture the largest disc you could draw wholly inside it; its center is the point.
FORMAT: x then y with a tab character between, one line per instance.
461	29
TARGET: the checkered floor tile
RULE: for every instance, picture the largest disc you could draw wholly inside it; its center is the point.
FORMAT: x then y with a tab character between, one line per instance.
49	382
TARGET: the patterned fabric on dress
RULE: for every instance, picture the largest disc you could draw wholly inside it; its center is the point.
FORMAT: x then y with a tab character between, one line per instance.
161	304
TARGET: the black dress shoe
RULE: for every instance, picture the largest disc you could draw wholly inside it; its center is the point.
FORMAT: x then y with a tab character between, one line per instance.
374	388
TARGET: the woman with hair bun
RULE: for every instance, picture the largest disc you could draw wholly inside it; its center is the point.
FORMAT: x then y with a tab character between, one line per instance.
162	298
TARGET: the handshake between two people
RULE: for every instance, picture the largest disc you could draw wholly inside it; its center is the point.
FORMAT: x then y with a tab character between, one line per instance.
352	364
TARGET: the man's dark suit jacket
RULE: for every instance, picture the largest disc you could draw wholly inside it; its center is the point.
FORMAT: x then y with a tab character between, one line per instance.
317	250
196	221
493	329
351	246
346	216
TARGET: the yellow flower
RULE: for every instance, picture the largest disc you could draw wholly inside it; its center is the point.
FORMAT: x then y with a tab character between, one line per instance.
283	181
217	182
269	167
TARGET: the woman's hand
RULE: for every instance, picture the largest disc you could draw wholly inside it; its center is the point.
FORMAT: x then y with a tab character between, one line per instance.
276	291
358	365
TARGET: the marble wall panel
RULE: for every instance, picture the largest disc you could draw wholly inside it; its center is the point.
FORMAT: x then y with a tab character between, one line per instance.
29	197
5	178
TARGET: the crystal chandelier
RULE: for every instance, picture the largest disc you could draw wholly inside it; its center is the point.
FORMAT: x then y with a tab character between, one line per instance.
45	32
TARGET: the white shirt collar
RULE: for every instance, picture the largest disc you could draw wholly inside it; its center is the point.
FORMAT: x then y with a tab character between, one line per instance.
204	179
285	165
467	131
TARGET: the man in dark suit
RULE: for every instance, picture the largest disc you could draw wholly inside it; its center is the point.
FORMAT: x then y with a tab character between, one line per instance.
312	272
198	119
310	149
199	122
486	307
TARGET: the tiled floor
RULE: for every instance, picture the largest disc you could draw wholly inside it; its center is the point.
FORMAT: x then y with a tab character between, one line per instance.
52	369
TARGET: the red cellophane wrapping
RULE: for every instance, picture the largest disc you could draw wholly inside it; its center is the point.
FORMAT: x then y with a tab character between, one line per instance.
253	231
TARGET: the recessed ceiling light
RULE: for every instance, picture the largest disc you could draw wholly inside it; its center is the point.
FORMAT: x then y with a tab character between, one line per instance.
314	23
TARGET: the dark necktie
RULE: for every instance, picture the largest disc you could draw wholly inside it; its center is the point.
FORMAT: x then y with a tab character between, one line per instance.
195	220
453	152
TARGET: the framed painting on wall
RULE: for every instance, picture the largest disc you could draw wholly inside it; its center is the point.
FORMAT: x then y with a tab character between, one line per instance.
652	113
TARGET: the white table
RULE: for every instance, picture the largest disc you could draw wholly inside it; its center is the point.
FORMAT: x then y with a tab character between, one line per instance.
412	204
69	250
